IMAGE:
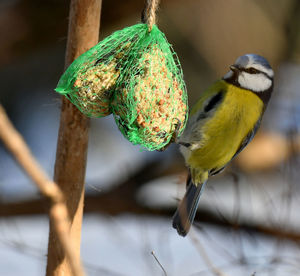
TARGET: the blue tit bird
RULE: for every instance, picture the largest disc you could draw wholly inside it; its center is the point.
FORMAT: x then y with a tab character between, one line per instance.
221	124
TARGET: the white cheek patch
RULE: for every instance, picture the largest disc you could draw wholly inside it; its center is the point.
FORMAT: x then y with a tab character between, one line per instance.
254	82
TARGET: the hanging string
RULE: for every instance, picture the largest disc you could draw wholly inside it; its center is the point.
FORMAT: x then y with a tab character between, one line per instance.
149	13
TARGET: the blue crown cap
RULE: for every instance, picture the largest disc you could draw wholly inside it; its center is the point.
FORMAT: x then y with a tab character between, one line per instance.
248	59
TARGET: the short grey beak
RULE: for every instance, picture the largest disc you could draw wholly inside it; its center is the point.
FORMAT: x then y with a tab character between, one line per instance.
233	68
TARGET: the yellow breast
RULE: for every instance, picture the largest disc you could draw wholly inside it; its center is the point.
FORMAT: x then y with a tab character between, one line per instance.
224	132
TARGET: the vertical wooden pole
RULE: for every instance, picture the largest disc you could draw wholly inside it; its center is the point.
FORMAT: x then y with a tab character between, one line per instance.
70	165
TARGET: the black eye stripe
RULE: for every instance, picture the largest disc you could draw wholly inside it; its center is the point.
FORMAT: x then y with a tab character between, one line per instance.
253	71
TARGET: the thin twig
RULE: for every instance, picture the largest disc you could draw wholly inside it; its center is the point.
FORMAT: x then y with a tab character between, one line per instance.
161	266
15	143
204	256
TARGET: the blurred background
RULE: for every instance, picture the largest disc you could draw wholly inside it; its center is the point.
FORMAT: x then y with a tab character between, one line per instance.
248	220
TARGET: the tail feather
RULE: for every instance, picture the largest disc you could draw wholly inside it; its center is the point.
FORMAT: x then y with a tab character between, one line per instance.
186	211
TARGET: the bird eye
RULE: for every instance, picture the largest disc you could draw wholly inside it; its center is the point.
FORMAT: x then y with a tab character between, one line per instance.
252	70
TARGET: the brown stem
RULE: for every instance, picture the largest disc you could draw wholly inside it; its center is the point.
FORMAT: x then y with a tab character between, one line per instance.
70	165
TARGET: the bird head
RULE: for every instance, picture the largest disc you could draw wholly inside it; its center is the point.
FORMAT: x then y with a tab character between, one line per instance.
251	72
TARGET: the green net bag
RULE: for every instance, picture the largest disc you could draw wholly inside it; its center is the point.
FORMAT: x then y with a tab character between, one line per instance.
150	100
90	81
135	74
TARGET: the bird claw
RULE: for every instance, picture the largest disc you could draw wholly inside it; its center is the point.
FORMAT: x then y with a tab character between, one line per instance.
174	135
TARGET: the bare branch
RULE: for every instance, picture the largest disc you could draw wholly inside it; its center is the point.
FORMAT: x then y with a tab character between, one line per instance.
72	142
58	211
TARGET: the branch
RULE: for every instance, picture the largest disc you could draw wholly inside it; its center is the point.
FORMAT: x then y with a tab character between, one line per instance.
72	143
58	211
123	199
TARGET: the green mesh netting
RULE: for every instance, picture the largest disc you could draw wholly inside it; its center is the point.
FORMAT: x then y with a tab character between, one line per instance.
136	75
90	81
151	97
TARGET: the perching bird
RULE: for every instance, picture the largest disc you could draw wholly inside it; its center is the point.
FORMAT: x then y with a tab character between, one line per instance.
221	124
